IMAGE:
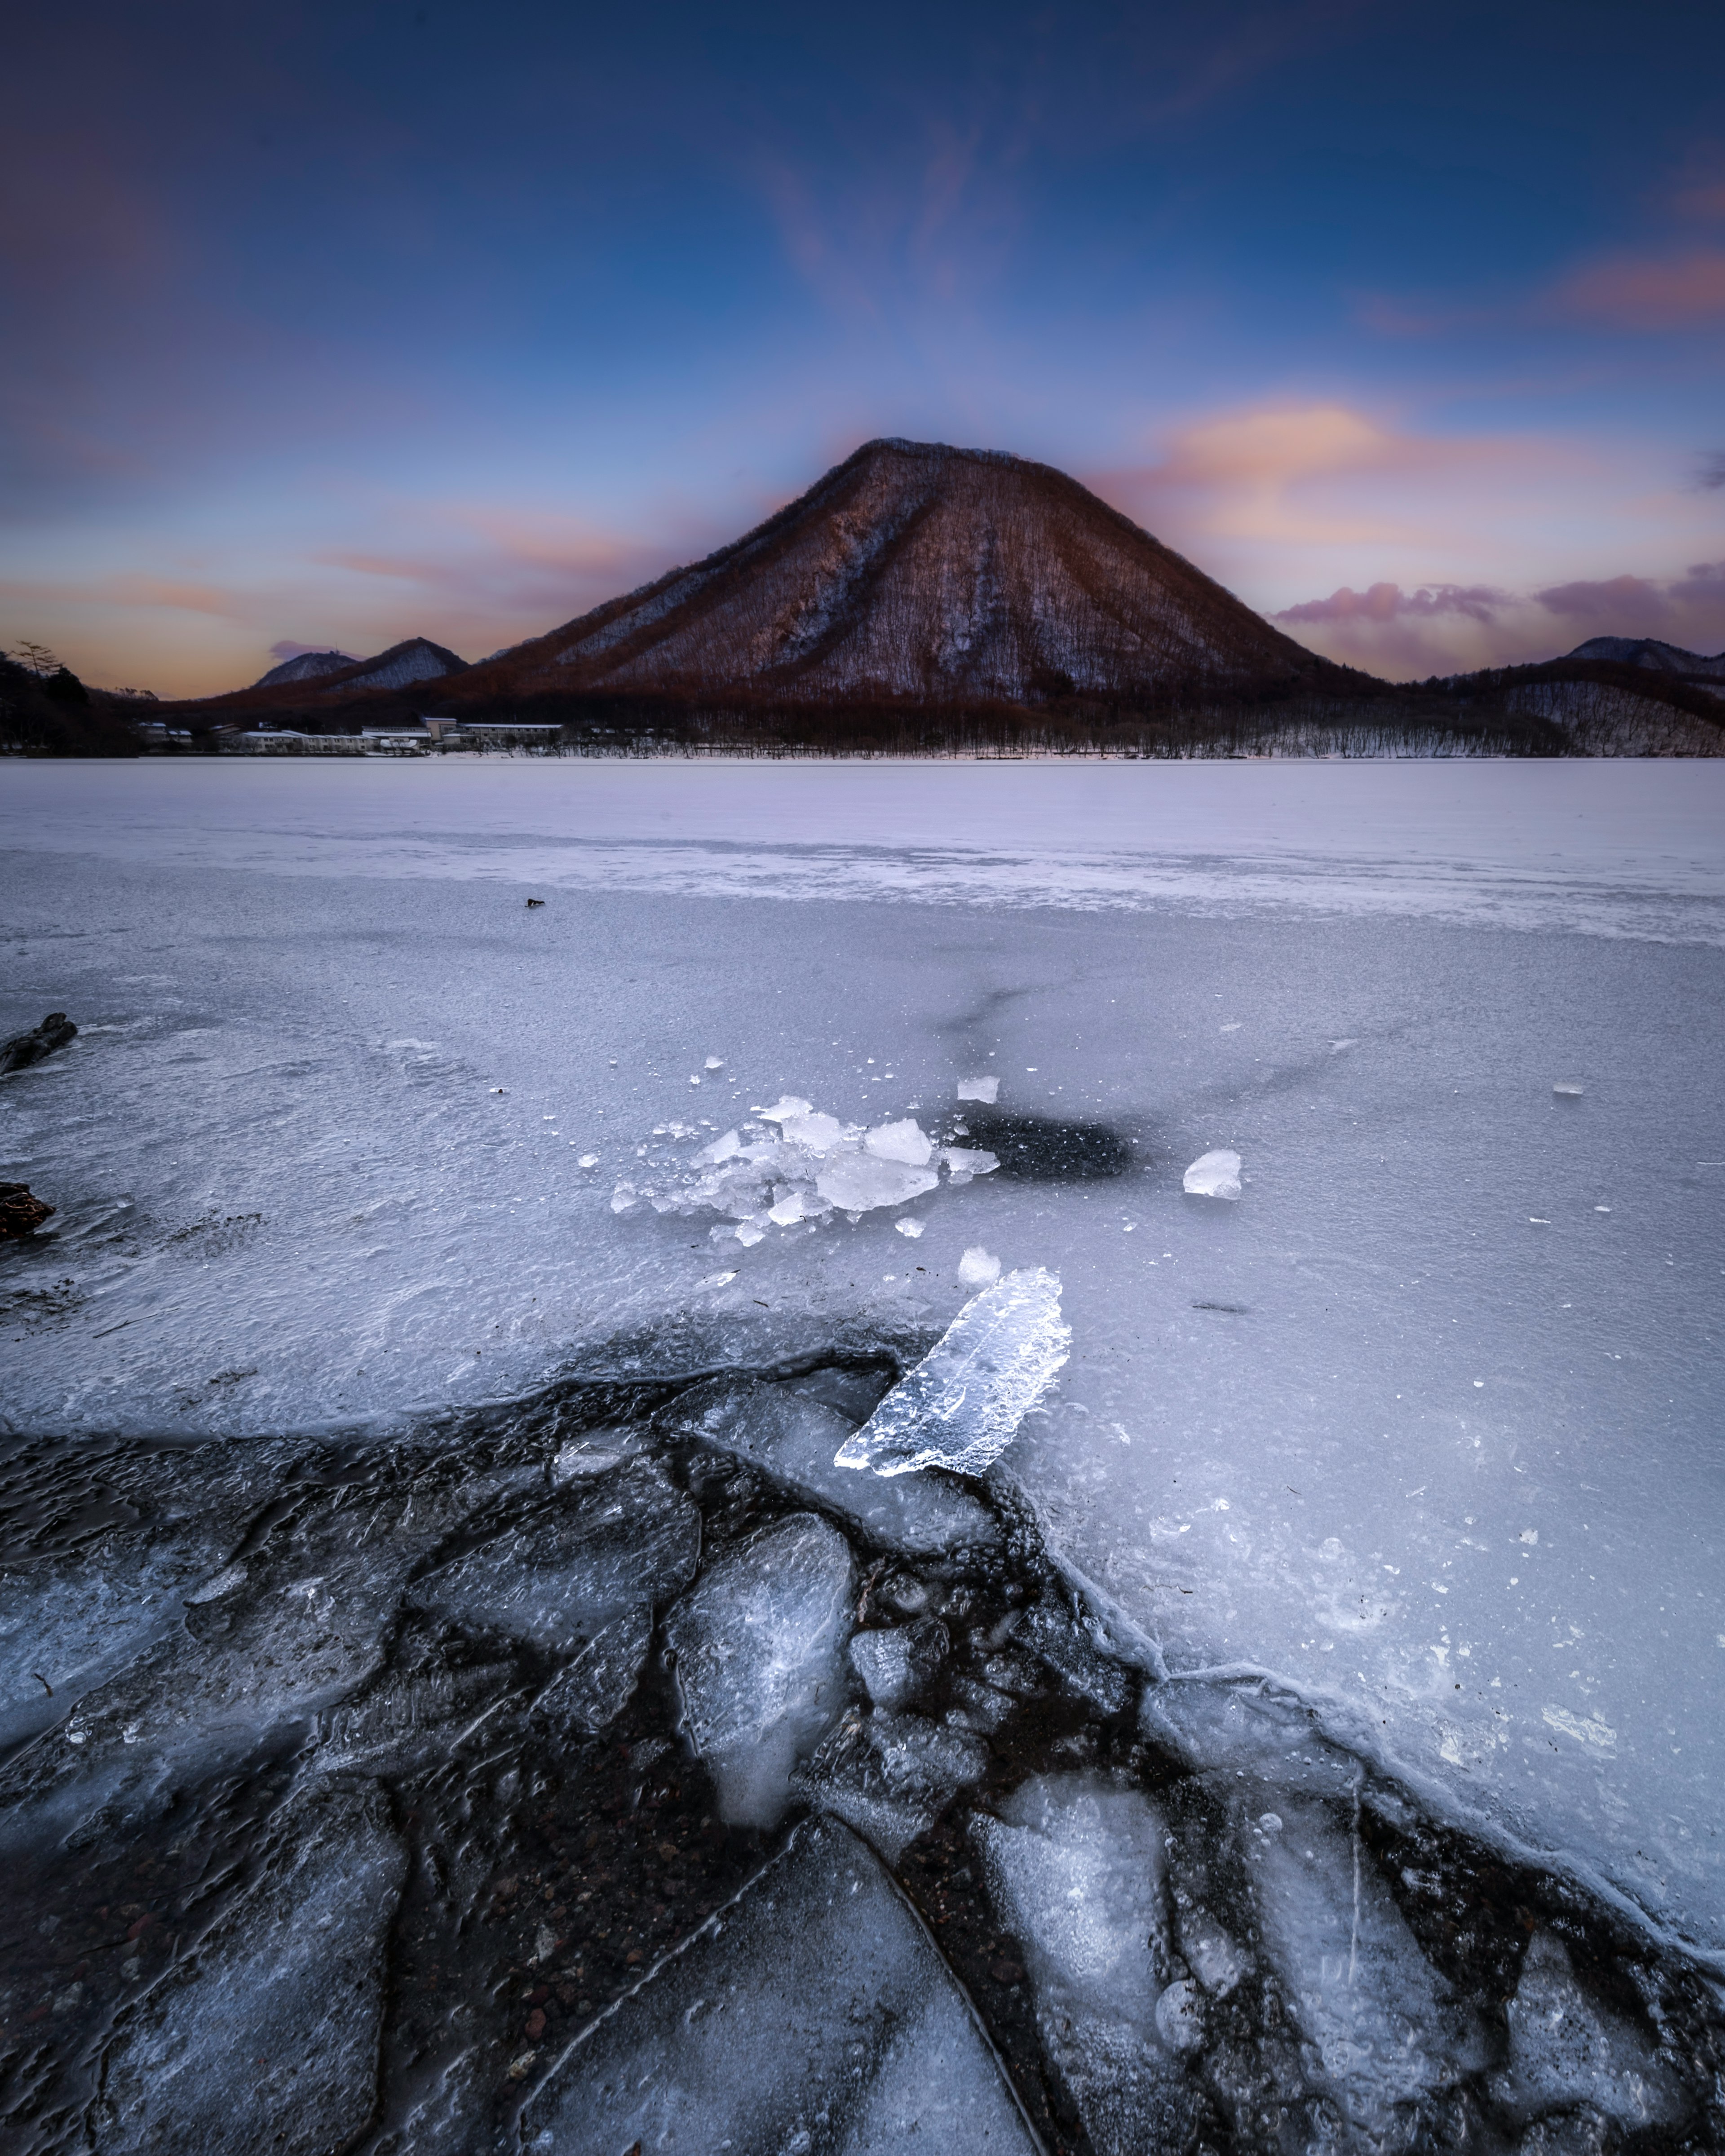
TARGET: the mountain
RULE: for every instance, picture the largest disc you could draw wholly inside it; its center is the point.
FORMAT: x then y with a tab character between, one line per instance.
308	666
1647	651
919	573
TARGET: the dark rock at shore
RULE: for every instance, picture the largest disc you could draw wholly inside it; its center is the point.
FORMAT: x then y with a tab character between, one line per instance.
20	1214
24	1049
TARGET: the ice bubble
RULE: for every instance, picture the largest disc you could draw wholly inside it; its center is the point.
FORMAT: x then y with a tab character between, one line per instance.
979	1089
1214	1175
905	1141
961	1405
910	1228
978	1267
758	1642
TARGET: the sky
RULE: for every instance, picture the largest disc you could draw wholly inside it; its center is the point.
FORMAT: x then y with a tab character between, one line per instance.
325	325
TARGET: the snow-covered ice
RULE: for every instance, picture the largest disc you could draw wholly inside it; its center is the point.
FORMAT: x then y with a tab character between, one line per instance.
961	1407
1214	1174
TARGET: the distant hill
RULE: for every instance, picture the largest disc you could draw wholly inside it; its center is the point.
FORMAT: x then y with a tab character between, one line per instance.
307	667
1648	651
921	573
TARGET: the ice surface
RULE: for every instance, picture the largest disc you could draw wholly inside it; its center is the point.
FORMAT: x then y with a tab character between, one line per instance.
811	2012
265	2034
795	1438
303	1180
1214	1175
759	1644
961	1405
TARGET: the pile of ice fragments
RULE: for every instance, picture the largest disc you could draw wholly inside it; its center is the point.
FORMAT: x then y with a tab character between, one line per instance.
622	1770
794	1164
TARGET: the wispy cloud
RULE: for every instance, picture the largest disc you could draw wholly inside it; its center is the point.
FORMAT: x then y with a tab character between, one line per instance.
1390	603
1647	293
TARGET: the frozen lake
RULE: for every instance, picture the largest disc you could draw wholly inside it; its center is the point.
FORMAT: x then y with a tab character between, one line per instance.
1425	1426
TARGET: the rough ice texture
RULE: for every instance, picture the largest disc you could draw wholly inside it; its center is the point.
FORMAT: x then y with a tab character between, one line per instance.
759	1645
896	1663
1565	2051
1214	1175
557	1580
961	1405
265	2036
810	2013
795	1438
593	1689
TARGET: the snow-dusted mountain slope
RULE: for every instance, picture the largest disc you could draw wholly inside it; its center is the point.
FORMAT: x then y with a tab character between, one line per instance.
920	571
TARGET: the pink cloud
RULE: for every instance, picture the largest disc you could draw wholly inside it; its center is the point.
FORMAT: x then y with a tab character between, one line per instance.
1387	602
1620	600
1629	292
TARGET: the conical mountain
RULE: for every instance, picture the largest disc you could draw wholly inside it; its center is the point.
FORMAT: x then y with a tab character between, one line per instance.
920	572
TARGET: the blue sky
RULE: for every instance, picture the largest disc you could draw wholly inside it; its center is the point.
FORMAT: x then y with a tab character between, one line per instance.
341	323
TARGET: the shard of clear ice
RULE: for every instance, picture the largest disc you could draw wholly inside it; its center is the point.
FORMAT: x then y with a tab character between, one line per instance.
961	1405
1214	1175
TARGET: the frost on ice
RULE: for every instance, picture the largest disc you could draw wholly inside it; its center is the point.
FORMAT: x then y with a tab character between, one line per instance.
1214	1175
961	1405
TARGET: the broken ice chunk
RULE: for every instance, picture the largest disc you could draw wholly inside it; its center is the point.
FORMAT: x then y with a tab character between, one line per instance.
961	1405
626	1541
714	1063
292	1980
1074	1869
588	1160
963	1162
1214	1175
978	1267
913	1228
978	1089
724	1149
860	1181
890	1776
905	1141
748	1233
1378	2013
897	1663
797	1205
1563	2049
788	1105
759	1642
815	2013
593	1690
793	1438
1569	1090
814	1133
